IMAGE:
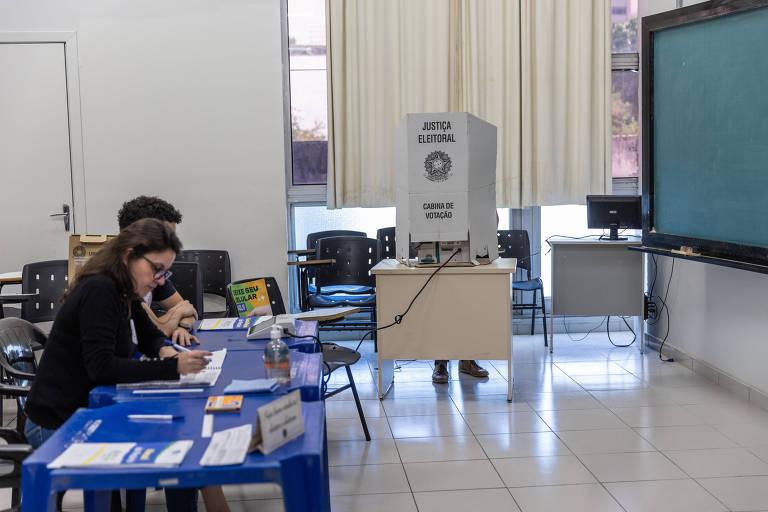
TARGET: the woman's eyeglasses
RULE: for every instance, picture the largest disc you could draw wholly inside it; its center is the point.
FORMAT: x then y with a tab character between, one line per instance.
160	272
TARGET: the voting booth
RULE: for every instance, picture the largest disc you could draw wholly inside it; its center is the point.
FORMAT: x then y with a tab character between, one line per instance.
446	189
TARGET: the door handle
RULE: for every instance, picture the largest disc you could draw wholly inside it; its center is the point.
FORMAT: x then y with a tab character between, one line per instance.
65	211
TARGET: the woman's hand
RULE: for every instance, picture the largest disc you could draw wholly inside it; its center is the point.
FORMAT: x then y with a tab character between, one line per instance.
183	337
167	352
193	361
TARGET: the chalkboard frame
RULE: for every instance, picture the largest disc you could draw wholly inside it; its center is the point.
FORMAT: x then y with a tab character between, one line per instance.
734	254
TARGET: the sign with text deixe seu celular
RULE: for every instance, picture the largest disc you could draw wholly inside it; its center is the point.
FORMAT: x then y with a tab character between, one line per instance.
446	180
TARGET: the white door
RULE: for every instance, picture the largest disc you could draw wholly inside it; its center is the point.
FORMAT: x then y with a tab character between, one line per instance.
35	169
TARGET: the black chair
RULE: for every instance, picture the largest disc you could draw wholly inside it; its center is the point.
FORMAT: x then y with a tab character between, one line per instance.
188	281
514	243
216	273
334	356
273	293
349	260
346	262
42	285
386	238
306	277
18	341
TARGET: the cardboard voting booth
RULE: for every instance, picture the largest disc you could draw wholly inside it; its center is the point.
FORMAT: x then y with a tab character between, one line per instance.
446	188
81	248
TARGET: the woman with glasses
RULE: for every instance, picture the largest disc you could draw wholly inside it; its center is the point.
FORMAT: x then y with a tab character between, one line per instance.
100	329
178	314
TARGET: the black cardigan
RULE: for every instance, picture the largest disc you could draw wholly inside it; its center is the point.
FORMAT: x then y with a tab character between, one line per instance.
91	344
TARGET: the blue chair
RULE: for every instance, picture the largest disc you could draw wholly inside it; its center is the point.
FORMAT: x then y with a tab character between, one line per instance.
514	243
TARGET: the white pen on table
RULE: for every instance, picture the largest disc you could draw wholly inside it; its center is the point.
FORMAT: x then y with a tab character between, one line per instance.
152	417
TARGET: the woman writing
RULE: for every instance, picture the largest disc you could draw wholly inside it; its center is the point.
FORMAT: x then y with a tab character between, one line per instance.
99	330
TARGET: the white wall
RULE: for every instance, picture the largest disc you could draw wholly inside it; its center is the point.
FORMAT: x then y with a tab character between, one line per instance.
181	99
718	315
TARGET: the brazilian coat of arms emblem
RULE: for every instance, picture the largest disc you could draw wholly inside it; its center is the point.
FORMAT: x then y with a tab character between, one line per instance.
437	166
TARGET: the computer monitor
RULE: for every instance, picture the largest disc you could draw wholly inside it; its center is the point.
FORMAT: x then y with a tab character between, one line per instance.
614	213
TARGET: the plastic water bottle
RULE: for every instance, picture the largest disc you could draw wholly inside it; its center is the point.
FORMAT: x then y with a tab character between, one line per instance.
277	357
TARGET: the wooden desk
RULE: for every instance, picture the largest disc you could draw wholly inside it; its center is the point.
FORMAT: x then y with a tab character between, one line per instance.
464	313
10	278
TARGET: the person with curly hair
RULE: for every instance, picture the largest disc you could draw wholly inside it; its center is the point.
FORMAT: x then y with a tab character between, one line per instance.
176	322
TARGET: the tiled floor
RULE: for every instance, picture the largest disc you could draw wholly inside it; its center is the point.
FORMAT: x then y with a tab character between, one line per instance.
594	428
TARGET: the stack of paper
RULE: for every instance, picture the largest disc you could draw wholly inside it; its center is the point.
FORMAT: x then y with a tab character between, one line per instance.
205	378
128	455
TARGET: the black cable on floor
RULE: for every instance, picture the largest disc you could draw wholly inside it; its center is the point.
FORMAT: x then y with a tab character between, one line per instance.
588	332
665	307
608	331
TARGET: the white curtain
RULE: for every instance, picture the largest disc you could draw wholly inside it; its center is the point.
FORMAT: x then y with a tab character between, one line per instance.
537	69
385	59
489	57
566	91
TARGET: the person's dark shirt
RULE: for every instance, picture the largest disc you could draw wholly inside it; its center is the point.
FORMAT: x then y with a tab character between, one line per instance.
164	291
91	344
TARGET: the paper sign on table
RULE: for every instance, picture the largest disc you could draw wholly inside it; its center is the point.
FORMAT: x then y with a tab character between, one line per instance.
278	422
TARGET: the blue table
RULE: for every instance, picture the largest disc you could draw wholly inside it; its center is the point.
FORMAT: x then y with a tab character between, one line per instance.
300	467
236	340
307	371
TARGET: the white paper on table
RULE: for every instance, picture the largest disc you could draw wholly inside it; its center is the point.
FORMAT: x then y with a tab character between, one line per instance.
206	378
210	373
91	454
228	447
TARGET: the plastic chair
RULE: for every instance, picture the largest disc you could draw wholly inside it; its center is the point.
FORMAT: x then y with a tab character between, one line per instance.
215	270
349	263
47	279
514	243
386	238
188	281
19	340
306	275
334	356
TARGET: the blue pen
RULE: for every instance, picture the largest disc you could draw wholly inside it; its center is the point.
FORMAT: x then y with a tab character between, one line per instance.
178	347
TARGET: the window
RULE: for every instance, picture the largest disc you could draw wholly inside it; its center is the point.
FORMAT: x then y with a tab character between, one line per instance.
311	219
625	90
625	124
308	86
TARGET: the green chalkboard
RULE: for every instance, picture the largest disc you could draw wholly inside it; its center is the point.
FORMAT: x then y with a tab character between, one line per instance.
710	129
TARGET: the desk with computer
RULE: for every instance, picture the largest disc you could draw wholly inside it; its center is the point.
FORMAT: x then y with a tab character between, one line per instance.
599	276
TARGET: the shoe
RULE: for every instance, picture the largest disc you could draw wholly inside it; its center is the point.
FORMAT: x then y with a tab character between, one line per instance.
470	367
440	374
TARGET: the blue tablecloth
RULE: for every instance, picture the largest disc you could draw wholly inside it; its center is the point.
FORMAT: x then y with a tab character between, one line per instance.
300	466
306	371
236	340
